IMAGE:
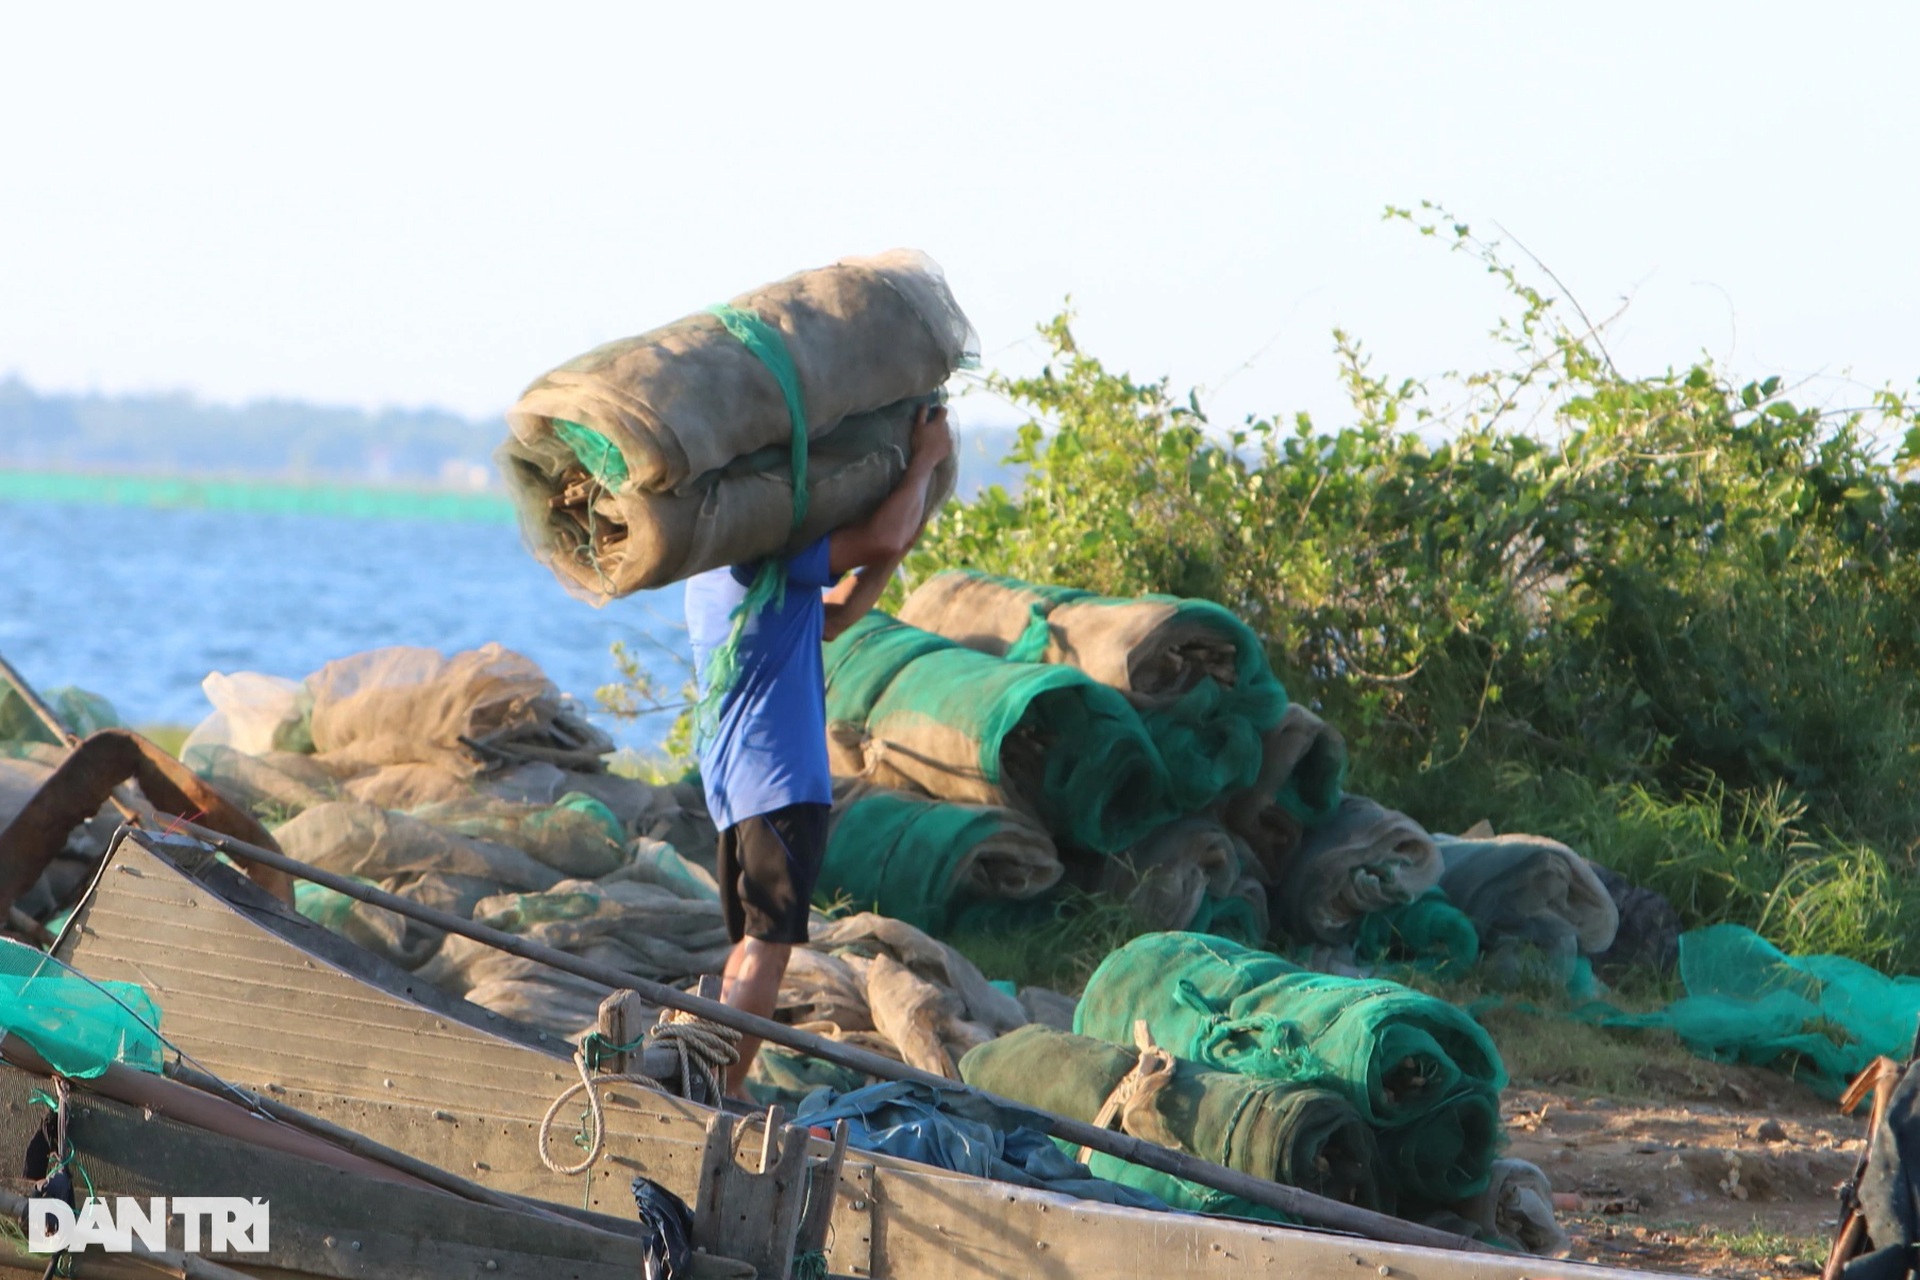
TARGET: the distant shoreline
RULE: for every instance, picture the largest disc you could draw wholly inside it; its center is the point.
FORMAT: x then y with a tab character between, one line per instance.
252	493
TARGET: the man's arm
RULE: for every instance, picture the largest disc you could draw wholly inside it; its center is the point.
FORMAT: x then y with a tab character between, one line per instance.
889	533
849	600
877	546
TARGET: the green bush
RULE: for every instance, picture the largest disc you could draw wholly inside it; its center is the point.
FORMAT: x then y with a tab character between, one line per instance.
1691	597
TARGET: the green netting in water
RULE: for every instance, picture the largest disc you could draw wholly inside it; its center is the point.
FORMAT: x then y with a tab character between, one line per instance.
919	860
1396	1055
280	497
1429	933
1303	1137
967	726
80	1027
1821	1018
82	712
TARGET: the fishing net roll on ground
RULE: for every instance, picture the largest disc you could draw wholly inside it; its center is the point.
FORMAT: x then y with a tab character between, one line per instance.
1168	876
932	716
1393	1053
1302	1137
1303	773
1195	672
1364	859
687	415
920	860
1429	932
1529	889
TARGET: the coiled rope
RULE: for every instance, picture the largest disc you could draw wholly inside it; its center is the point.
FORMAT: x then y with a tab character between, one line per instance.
702	1049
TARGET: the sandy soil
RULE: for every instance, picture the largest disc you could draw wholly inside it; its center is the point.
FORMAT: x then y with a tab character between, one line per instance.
1728	1173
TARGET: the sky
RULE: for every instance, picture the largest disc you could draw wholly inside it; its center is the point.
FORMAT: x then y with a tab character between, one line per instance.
429	205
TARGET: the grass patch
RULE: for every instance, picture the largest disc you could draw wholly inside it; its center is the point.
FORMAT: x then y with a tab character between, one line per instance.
168	737
1060	953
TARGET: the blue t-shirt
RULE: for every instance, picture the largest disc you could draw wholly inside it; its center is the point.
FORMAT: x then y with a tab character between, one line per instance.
769	744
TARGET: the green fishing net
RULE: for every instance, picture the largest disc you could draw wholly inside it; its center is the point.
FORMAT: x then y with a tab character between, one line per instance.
79	1026
1196	673
967	726
925	862
1822	1019
1302	1137
1429	933
1397	1056
81	712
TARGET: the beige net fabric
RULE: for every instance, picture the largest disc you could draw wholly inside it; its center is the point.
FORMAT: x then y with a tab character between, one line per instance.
1165	877
481	707
1366	858
689	464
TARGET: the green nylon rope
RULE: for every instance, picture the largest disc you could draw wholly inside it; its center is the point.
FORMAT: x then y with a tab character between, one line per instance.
770	583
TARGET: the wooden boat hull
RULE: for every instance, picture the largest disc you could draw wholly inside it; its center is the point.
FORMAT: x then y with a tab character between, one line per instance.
325	1221
264	998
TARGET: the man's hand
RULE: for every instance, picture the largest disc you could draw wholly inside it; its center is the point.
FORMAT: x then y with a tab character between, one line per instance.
932	441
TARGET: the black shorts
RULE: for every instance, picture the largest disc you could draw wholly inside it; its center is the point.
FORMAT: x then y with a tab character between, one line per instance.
767	868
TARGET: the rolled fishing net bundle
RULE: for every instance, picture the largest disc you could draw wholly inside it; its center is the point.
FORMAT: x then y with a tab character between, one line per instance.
1415	1068
923	860
912	710
1364	859
1196	674
1302	778
737	433
1299	1136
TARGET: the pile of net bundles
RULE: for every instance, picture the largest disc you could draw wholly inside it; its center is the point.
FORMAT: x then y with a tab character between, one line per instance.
916	711
402	728
735	433
1421	1073
1197	675
1298	1135
925	861
1530	894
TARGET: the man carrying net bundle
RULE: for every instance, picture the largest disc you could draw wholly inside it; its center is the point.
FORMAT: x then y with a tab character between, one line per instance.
762	727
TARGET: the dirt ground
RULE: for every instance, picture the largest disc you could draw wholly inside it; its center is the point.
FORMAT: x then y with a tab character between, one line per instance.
1710	1170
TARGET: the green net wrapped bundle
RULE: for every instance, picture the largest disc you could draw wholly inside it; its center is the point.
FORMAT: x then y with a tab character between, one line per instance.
1196	673
1302	1137
656	457
1168	876
924	861
920	712
1366	858
1303	771
1531	890
1410	1064
1429	932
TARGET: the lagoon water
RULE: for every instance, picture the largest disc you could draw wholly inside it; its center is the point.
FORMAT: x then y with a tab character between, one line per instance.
140	604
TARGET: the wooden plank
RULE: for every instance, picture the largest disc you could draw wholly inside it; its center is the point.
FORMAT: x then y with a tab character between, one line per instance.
325	1222
914	1223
